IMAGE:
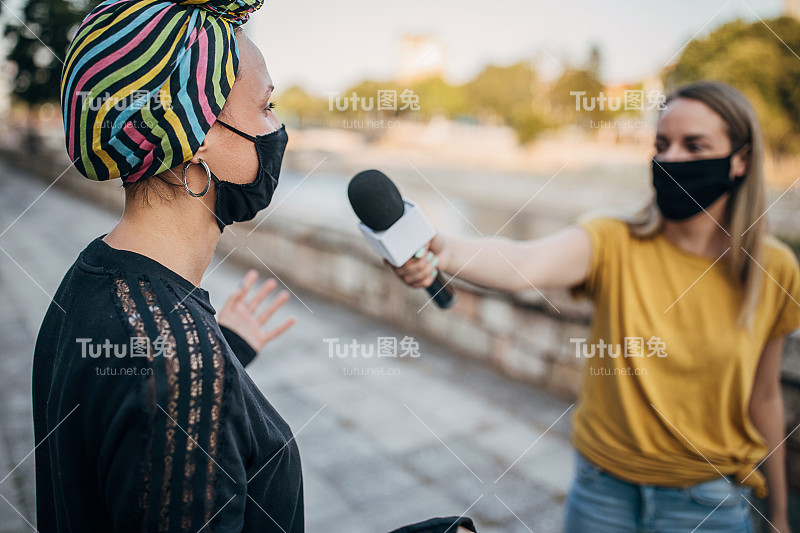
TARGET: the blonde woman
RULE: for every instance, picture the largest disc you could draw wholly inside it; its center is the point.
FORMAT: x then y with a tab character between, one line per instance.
669	437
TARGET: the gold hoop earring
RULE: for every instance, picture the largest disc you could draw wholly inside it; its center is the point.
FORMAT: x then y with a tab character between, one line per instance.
208	179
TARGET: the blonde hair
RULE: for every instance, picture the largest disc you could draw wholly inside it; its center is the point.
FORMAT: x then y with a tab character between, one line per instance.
745	208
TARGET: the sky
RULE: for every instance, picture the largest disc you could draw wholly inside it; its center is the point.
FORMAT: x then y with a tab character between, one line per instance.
327	46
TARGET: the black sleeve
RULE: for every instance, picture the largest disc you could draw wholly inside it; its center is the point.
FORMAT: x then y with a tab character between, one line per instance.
243	351
439	525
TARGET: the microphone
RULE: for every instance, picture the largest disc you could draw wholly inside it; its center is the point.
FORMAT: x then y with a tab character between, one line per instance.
394	227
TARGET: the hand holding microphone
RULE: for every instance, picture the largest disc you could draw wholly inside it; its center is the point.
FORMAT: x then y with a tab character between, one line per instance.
422	269
398	231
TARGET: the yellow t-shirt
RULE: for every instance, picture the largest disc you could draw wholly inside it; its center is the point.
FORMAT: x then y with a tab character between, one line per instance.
672	410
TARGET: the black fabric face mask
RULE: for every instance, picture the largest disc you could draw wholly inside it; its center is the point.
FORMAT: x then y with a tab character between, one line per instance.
239	202
684	189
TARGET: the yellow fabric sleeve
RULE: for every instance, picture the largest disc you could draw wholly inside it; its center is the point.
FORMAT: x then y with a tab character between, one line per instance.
788	315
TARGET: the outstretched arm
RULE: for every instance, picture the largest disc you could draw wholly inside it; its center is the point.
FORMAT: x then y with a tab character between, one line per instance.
559	260
766	412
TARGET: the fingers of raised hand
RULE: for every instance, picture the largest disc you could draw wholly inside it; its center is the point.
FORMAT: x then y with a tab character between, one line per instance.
276	304
263	291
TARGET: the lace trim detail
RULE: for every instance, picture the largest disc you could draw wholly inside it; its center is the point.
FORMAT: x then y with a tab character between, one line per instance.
201	429
172	369
123	294
218	364
195	396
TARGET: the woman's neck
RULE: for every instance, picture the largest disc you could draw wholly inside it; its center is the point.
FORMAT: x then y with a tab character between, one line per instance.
704	235
180	235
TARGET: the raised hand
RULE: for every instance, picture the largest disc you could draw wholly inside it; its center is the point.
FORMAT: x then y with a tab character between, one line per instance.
241	313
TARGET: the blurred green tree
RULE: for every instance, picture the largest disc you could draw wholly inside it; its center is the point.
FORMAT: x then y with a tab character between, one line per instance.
753	59
511	95
437	97
563	97
507	94
366	105
299	109
39	37
567	109
594	65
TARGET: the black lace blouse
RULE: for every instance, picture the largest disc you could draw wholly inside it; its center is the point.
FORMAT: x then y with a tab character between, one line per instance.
144	416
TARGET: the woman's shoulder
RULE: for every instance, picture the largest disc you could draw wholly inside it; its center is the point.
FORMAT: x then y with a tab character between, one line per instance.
779	256
154	319
780	265
143	316
603	218
174	345
604	228
176	323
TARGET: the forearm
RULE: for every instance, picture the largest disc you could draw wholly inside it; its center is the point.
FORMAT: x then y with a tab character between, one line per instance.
558	260
768	417
491	262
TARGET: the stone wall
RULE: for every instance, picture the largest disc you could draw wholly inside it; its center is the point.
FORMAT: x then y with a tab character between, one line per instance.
522	336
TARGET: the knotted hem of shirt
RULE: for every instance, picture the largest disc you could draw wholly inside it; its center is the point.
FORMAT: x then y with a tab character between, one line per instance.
753	478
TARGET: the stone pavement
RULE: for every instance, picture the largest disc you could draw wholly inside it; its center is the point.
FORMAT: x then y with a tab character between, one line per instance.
384	442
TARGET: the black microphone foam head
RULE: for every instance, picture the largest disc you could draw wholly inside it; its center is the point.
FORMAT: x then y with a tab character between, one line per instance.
375	199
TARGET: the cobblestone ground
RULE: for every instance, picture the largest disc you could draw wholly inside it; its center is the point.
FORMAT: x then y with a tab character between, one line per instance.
384	442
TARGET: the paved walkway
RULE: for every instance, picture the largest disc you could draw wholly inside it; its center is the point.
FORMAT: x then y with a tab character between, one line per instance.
384	442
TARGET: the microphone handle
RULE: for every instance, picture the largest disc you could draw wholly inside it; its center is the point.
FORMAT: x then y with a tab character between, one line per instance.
444	296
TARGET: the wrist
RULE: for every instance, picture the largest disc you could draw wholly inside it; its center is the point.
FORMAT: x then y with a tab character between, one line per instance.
439	247
445	260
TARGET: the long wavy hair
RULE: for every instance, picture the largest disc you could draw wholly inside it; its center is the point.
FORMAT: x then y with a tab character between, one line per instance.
744	218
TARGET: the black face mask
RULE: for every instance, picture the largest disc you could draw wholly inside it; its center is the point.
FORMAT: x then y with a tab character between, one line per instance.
238	202
684	189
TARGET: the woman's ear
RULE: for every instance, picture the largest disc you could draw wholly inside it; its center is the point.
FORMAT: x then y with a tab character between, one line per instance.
201	153
740	162
209	150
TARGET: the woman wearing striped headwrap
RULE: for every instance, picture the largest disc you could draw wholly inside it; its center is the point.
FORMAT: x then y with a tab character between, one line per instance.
146	418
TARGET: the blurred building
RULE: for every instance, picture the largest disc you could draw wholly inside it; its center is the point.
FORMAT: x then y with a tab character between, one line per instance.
421	57
791	8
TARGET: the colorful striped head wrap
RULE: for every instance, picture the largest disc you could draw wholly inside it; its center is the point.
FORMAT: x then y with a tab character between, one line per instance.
144	80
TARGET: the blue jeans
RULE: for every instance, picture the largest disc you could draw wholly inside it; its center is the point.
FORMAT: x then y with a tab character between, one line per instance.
601	503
